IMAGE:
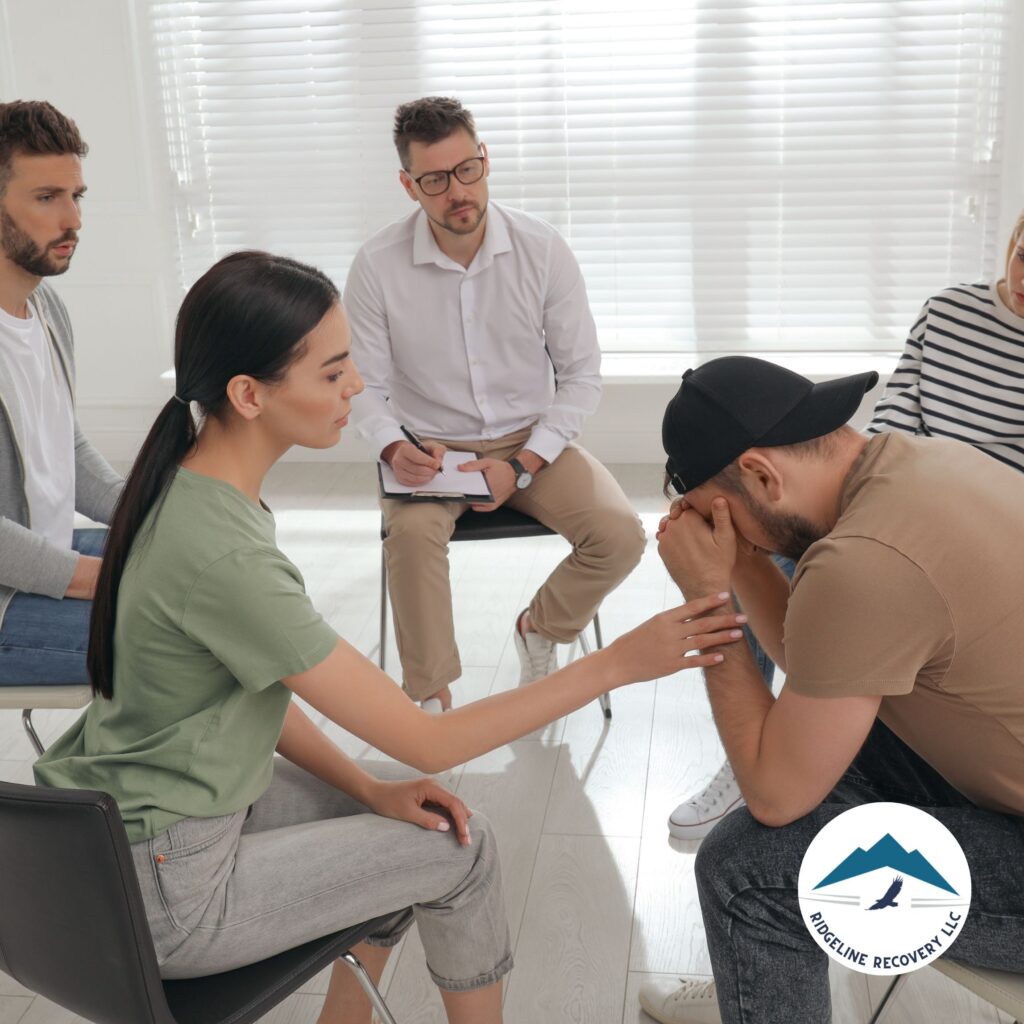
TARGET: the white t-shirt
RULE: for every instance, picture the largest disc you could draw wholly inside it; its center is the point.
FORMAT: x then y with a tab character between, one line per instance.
39	405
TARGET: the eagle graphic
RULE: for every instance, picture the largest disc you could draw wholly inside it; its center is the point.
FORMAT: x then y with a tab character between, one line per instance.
889	899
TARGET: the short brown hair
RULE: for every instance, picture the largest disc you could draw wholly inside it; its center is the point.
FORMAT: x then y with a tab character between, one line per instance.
429	120
35	127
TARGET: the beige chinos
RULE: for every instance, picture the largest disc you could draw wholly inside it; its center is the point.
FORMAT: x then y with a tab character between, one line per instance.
575	496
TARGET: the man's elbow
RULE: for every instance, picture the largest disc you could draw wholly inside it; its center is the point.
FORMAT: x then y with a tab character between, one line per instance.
778	812
770	815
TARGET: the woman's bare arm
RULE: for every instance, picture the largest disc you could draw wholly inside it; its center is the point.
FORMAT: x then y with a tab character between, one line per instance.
351	691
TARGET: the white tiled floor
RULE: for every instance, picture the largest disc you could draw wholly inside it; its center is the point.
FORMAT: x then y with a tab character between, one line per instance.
597	895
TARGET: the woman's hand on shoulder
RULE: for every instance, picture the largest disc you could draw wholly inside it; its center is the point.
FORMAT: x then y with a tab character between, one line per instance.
683	637
423	802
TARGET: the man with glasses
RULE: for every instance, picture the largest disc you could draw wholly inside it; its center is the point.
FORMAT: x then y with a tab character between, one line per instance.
471	328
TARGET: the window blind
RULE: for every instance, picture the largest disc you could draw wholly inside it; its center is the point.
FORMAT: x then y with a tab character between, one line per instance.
733	176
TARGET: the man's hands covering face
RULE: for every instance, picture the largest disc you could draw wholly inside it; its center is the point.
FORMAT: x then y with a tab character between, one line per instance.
700	556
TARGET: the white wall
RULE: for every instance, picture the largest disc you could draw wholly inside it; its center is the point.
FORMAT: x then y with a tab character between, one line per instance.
82	57
88	57
1010	144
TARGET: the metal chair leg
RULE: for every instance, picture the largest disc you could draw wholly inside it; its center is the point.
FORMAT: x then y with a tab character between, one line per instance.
26	720
383	609
368	987
605	699
886	1001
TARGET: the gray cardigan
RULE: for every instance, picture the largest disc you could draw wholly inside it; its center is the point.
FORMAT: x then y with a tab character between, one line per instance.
28	561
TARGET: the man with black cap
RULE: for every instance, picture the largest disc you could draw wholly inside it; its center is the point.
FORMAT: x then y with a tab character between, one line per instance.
902	640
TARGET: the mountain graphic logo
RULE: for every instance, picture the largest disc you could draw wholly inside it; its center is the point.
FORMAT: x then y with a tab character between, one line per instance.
886	853
920	881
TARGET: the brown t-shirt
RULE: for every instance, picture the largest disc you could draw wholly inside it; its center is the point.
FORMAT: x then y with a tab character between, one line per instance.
917	594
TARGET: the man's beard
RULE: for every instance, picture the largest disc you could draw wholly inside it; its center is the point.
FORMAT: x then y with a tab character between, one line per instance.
461	229
790	535
19	248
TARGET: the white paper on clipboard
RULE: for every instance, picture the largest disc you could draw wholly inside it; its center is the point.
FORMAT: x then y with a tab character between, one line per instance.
449	484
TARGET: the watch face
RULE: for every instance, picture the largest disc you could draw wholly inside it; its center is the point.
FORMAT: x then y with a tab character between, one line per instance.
523	478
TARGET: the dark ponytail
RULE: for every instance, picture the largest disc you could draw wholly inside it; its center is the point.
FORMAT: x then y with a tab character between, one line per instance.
248	314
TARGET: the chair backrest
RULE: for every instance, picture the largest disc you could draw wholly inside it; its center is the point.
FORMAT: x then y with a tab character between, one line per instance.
72	922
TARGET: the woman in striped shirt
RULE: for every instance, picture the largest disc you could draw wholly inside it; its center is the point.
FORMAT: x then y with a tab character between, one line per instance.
962	371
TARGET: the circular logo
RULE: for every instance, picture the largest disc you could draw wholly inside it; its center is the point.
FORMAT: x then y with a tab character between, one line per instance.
884	889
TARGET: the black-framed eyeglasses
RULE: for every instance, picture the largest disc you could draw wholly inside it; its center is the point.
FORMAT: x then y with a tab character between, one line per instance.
435	183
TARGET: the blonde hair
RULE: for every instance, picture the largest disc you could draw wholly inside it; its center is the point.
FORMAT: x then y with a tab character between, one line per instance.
1016	240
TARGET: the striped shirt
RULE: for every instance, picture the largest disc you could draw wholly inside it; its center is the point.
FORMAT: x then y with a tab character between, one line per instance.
961	375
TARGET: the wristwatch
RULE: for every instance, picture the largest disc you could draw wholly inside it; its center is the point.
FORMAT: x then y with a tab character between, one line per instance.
523	478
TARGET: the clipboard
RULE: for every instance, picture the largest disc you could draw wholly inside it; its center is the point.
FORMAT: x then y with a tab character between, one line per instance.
448	485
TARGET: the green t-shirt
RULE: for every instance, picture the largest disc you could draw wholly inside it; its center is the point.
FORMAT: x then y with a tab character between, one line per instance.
210	616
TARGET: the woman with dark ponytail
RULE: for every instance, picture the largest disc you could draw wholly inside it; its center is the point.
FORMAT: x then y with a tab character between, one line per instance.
201	633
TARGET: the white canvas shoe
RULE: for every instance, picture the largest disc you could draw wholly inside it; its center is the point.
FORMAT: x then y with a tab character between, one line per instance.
538	656
689	1000
695	818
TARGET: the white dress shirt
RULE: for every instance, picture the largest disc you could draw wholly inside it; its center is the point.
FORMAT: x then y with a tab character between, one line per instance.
476	352
40	401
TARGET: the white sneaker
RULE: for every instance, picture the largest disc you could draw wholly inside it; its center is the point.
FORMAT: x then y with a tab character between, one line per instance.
695	818
691	1000
537	655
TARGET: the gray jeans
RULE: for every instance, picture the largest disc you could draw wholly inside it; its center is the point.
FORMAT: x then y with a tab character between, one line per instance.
307	860
767	967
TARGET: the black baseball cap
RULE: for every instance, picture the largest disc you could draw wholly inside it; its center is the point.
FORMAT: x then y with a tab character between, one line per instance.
737	402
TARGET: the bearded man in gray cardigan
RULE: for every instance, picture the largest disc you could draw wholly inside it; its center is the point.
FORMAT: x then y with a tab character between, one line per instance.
48	469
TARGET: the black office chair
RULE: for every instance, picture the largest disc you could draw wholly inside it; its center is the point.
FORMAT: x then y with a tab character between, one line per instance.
501	524
73	927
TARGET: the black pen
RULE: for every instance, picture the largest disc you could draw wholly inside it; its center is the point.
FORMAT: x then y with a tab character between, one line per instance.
414	440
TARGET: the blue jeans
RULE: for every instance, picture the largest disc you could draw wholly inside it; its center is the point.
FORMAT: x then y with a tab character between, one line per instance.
767	967
765	664
44	640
